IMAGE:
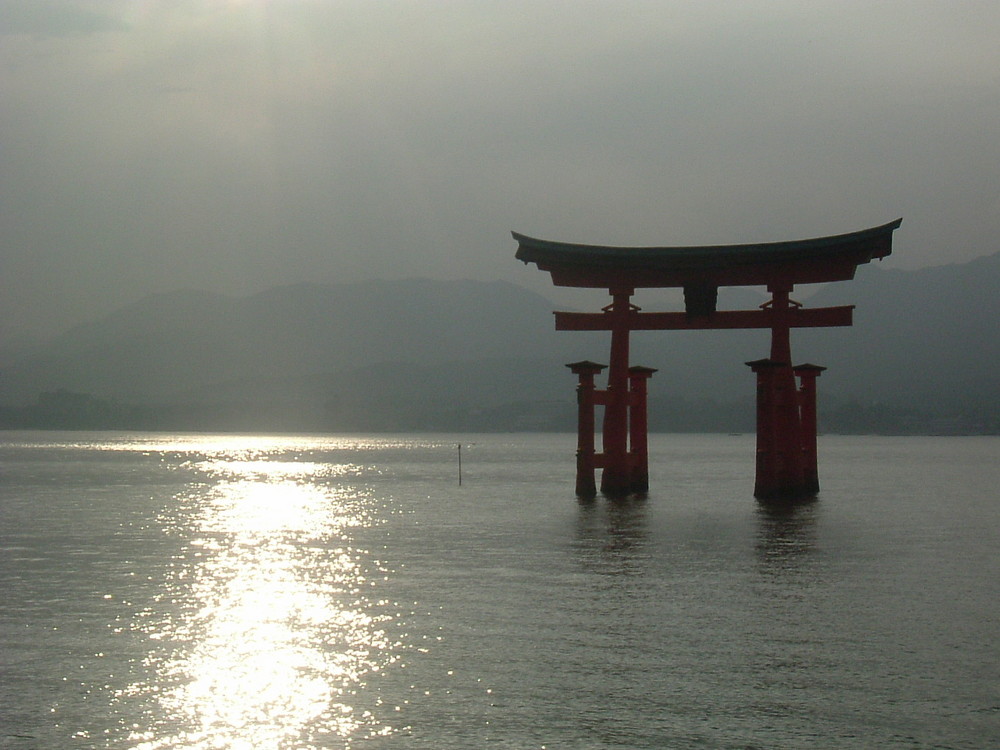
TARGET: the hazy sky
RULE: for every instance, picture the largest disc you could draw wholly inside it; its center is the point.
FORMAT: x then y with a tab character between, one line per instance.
240	144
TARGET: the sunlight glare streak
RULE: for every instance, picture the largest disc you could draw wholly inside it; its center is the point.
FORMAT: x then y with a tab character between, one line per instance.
266	627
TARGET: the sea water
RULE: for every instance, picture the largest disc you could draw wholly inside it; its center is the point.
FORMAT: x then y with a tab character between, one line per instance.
239	591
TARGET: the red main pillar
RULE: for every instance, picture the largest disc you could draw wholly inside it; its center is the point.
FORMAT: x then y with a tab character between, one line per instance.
807	374
586	371
615	478
639	427
783	469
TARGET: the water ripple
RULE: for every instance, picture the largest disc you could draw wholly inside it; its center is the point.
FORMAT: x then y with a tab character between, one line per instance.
268	628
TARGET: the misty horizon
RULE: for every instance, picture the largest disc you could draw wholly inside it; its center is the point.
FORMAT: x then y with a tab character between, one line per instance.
431	354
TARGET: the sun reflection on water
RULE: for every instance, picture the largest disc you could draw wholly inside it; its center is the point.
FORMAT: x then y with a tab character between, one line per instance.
268	629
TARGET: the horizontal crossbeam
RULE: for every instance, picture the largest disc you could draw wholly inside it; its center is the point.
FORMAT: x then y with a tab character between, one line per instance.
798	317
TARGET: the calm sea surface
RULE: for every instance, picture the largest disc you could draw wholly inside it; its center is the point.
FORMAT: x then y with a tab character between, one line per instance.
192	591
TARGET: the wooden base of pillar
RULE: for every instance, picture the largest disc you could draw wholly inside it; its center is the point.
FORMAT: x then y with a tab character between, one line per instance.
616	482
781	474
784	493
585	485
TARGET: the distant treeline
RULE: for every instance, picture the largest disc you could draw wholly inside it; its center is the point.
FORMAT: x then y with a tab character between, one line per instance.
67	410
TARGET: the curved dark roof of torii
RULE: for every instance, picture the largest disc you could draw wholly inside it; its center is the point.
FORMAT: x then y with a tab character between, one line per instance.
797	261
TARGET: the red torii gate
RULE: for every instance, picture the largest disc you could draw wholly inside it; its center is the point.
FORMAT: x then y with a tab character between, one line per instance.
786	413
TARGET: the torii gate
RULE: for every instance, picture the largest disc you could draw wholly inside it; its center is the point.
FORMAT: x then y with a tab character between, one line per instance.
786	412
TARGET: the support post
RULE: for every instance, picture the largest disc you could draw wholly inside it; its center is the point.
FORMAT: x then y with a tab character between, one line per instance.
615	478
585	371
807	374
639	427
768	479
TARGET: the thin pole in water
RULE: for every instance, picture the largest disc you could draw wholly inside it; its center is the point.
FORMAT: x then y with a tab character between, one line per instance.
459	464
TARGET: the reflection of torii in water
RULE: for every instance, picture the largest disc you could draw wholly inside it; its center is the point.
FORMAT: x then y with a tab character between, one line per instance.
786	413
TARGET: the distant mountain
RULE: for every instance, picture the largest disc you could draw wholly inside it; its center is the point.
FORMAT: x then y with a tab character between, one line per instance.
922	356
169	346
927	339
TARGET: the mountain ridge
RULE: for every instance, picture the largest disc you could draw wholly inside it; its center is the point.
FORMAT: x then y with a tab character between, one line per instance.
172	343
398	354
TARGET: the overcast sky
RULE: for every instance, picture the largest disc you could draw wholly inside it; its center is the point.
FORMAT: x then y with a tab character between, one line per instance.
239	144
